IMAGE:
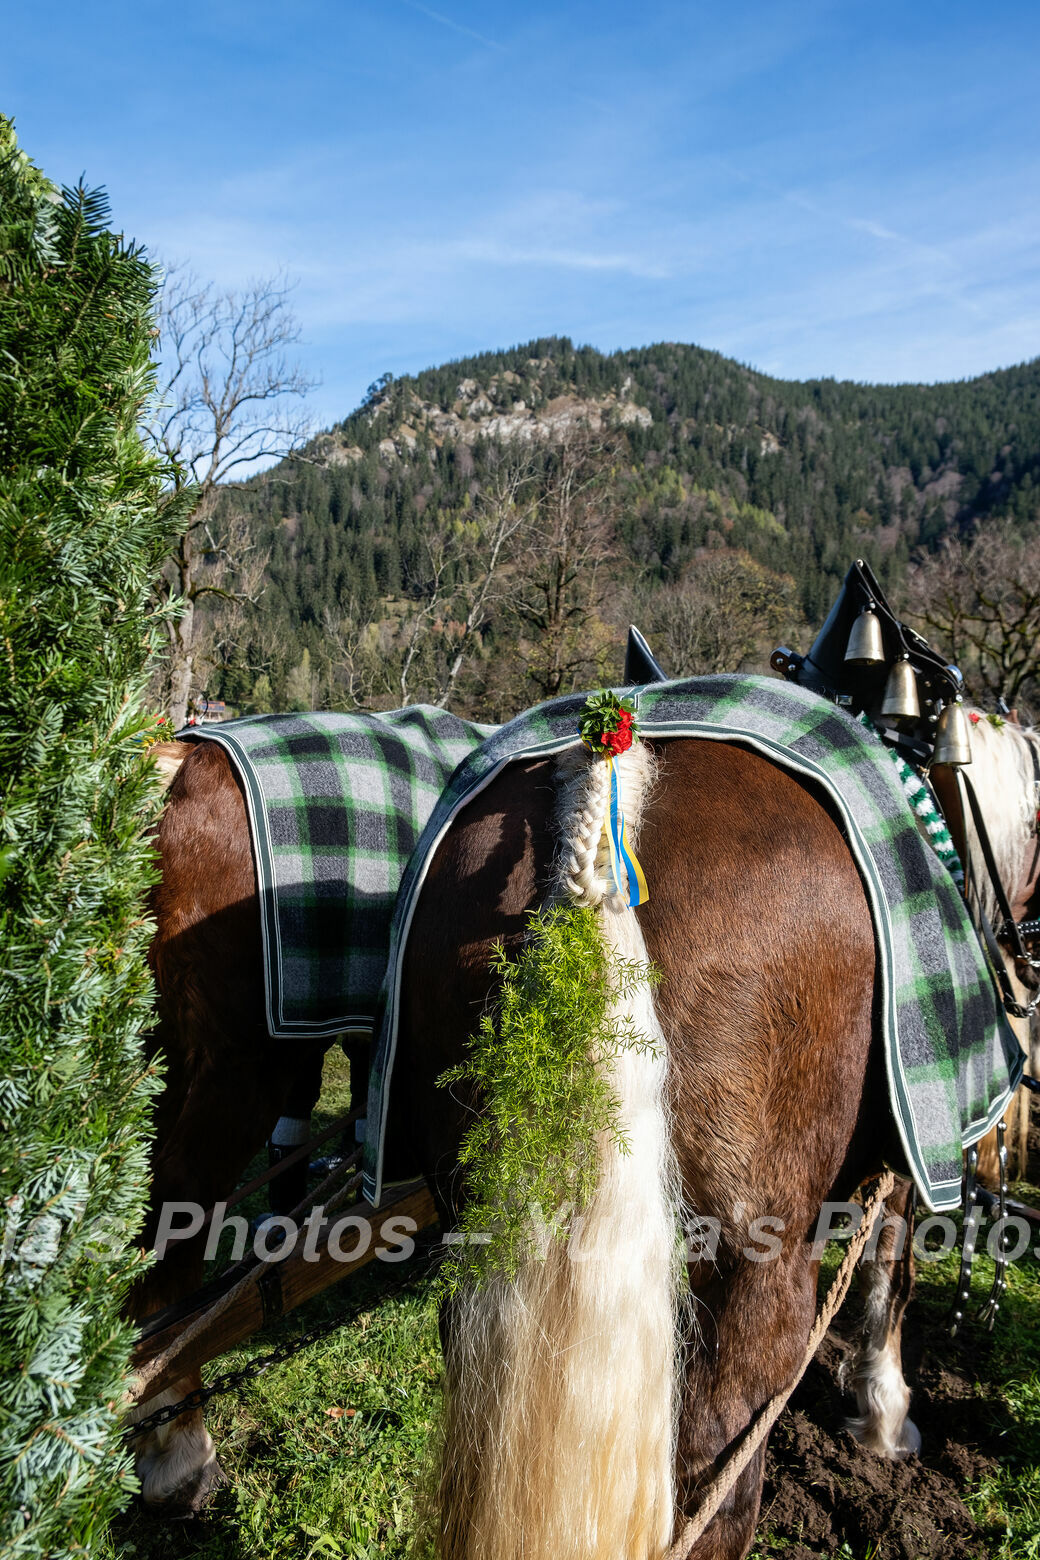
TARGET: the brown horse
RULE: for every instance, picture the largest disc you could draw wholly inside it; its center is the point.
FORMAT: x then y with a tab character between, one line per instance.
227	1081
588	1402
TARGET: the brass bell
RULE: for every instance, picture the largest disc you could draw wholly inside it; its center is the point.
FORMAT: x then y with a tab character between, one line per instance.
901	701
866	646
952	736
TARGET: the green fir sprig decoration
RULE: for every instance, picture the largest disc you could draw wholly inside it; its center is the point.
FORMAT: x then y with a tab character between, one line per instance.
538	1071
154	728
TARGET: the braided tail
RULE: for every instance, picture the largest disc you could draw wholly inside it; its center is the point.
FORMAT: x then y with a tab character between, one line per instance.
561	1383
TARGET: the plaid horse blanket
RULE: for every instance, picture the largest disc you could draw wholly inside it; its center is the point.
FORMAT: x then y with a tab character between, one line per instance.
953	1060
336	804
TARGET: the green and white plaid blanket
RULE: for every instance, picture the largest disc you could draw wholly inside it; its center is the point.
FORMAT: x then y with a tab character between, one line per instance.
336	804
953	1061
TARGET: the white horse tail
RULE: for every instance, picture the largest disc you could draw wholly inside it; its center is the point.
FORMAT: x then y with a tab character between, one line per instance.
168	758
561	1383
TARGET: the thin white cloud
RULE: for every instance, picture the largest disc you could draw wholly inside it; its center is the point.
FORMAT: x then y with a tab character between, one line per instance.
446	21
592	232
490	252
875	229
827	210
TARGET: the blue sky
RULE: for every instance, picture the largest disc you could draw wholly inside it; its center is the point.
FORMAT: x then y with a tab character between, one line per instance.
826	187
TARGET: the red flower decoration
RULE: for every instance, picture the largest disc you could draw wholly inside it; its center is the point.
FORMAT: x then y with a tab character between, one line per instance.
608	724
974	717
618	741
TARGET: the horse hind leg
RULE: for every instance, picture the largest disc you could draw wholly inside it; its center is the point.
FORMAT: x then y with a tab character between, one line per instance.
886	1276
234	1107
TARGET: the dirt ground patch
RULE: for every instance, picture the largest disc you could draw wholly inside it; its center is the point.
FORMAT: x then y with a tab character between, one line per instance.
824	1495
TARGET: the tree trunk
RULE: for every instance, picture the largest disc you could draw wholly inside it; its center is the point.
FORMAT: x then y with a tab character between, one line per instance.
182	665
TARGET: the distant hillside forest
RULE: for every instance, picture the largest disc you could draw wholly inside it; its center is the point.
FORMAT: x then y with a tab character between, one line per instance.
481	534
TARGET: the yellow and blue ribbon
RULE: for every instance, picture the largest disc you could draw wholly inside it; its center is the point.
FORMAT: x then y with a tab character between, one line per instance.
628	874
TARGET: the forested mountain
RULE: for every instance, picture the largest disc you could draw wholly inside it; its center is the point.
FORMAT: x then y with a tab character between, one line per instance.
631	476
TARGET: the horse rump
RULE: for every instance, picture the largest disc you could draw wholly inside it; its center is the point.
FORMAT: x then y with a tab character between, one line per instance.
590	1394
168	758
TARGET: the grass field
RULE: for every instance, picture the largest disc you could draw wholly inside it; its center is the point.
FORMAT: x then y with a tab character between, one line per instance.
1007	1369
324	1453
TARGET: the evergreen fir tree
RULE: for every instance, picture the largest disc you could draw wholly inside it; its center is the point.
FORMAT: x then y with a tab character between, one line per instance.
82	531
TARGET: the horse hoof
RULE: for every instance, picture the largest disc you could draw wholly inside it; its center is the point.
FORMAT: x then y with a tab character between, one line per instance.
192	1497
877	1438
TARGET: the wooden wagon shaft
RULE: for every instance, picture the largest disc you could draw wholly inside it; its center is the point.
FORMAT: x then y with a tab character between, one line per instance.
273	1171
274	1288
330	1193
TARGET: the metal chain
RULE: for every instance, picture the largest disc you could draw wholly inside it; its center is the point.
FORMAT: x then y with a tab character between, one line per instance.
972	1219
230	1380
988	1312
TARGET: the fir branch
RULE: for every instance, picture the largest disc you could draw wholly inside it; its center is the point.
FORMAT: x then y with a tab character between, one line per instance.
539	1074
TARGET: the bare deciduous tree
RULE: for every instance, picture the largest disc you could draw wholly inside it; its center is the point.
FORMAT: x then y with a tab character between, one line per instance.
728	612
464	564
226	388
980	602
350	652
559	558
501	513
232	574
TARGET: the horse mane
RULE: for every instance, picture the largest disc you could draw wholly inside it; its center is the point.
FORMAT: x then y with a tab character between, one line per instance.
1002	773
